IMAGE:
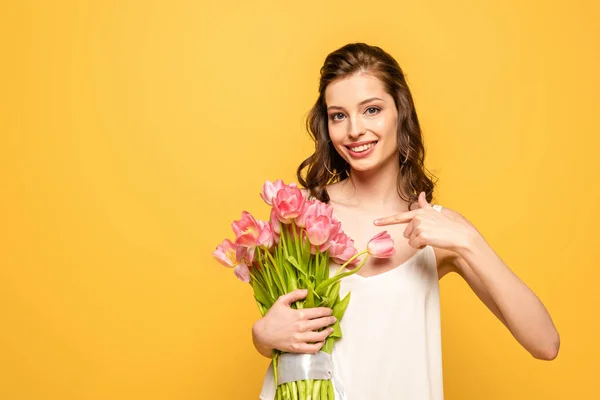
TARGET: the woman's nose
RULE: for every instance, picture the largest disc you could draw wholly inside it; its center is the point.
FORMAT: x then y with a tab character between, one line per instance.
355	128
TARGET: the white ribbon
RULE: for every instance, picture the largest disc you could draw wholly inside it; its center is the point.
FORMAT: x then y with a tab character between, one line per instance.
297	367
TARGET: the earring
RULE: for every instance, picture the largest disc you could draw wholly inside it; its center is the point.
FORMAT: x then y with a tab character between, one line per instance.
406	158
325	164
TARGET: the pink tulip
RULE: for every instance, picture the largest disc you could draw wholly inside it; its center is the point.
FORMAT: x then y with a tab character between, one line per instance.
381	245
310	208
266	238
246	230
245	254
325	209
242	272
342	248
275	223
270	189
288	204
320	229
226	253
229	254
313	208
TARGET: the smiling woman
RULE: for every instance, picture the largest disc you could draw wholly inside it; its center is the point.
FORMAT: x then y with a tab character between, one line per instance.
369	163
364	108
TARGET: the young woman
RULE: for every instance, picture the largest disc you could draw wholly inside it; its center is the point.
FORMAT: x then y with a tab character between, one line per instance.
369	165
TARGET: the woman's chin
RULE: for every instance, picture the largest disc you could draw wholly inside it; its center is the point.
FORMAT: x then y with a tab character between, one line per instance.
362	167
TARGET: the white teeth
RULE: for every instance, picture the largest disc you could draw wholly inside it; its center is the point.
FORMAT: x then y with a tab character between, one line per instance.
364	147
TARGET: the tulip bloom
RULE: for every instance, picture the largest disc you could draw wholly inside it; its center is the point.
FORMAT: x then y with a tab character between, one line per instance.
229	255
313	208
381	245
288	204
226	253
318	229
275	223
246	230
242	272
341	248
266	237
270	189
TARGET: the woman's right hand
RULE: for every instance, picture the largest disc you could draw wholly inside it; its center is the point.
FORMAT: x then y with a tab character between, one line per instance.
290	330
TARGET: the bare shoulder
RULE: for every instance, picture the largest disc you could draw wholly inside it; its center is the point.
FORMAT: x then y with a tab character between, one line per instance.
331	189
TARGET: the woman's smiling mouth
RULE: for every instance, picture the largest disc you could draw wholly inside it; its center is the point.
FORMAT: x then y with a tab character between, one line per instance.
361	149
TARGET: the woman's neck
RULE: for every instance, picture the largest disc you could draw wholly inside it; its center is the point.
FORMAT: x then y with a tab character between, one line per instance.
373	189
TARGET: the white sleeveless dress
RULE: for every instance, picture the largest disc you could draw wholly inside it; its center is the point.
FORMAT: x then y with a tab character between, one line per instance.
391	345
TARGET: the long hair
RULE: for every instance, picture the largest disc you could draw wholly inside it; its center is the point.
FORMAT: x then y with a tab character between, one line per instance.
325	165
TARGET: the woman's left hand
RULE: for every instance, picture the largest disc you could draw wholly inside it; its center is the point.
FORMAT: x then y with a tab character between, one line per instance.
426	226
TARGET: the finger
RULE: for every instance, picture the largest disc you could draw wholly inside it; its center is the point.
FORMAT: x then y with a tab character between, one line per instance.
295	295
418	241
306	348
318	323
409	229
396	219
315	337
316	312
423	201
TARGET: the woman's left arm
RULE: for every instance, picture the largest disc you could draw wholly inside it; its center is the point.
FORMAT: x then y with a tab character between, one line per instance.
507	296
468	254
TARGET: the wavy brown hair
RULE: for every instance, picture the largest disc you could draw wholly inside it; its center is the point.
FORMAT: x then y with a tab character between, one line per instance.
325	166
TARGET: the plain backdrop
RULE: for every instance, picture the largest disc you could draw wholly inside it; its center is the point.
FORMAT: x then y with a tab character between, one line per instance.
133	132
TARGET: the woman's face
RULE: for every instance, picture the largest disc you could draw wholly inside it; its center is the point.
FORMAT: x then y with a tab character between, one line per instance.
362	120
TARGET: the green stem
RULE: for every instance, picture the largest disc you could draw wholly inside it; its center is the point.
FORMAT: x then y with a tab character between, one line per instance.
316	389
324	386
330	393
296	241
317	264
302	389
354	257
278	393
275	365
283	285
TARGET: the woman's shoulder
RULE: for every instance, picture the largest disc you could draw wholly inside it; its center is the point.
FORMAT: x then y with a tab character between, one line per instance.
330	189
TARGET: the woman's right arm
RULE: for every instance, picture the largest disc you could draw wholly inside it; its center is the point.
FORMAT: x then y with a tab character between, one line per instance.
291	330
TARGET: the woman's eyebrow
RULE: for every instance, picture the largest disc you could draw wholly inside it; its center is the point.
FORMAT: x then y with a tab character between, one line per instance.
360	104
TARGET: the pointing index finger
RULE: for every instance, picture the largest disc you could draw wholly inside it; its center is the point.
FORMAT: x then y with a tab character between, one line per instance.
396	219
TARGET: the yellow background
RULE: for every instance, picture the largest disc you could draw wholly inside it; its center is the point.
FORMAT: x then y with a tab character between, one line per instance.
134	132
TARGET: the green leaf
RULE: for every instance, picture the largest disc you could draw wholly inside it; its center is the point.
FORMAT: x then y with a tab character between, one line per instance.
322	302
322	288
324	266
292	260
328	346
260	294
332	294
310	298
340	308
337	330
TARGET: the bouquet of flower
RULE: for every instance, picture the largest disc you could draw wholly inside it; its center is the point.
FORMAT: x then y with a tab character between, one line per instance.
293	251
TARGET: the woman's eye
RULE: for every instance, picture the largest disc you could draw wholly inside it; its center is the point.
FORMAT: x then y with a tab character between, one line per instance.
372	110
337	116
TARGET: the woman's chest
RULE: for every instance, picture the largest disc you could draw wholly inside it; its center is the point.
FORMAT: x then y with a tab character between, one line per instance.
358	225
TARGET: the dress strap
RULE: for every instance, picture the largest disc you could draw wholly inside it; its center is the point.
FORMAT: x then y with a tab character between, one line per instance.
437	207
